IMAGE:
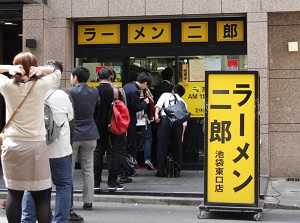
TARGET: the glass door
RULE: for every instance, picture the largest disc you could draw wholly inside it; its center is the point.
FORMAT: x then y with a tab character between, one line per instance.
153	65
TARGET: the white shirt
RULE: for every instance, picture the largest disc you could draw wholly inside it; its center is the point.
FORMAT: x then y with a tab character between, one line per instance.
62	111
166	100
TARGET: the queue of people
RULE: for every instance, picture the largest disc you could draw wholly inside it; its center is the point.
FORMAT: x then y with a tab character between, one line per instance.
83	113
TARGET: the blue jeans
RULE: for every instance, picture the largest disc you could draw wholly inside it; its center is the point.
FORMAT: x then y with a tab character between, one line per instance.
147	134
61	171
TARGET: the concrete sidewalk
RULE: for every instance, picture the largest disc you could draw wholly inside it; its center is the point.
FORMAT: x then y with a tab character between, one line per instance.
188	189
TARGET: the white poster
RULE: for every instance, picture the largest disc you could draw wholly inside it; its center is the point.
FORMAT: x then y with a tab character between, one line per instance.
212	63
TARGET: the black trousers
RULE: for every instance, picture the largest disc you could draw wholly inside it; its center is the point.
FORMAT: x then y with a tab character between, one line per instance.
110	146
165	133
131	140
122	151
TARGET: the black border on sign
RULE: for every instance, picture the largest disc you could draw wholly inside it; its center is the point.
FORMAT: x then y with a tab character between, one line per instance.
257	133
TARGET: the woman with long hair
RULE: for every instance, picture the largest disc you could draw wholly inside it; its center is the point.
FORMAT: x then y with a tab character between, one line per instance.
25	161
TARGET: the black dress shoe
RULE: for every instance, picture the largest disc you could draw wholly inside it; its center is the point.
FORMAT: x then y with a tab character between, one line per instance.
87	206
158	174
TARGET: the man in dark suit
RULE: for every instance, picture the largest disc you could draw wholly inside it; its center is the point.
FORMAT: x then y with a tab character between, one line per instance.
84	140
135	103
165	85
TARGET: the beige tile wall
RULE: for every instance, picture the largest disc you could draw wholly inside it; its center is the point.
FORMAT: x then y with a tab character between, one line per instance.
284	102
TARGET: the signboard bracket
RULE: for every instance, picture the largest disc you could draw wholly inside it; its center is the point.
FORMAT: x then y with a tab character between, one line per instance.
257	211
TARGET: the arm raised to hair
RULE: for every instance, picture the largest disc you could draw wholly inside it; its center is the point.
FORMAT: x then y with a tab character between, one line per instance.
12	69
38	71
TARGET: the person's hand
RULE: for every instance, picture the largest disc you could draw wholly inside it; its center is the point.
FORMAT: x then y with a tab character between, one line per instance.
16	69
146	100
35	71
157	120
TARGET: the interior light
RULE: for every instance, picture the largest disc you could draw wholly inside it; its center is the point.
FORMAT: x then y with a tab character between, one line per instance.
10	24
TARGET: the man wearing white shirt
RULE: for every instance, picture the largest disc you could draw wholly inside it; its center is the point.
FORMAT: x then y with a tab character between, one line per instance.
167	132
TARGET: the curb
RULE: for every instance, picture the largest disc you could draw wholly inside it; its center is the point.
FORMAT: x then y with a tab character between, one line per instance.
270	205
161	200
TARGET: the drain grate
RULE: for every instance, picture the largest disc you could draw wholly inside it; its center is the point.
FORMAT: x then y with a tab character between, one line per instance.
292	179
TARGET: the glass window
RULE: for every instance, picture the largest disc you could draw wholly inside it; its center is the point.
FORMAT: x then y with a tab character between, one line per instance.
95	64
212	62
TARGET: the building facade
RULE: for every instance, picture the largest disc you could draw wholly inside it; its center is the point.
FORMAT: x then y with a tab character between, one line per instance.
272	33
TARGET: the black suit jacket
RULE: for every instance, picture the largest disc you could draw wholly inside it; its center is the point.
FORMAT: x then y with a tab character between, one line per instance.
134	102
161	88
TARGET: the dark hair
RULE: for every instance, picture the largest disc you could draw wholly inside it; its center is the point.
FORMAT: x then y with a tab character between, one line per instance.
133	75
82	73
167	74
144	77
104	73
26	59
56	64
179	89
113	75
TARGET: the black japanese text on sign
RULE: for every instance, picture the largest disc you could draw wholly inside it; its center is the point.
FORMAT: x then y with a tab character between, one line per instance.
99	34
194	32
228	31
149	33
231	138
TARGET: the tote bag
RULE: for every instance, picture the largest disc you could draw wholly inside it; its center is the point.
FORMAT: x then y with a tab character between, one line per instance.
177	113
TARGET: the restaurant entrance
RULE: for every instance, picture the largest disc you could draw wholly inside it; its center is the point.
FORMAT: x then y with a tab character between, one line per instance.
188	55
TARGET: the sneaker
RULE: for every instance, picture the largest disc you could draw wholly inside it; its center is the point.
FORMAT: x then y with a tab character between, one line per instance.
149	165
73	217
87	206
115	187
120	187
124	180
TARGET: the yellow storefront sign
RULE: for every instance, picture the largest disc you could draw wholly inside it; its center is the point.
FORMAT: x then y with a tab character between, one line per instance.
231	175
194	32
229	31
194	98
149	33
99	34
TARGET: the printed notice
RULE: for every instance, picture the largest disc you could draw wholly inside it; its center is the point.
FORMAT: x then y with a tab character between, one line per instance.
197	71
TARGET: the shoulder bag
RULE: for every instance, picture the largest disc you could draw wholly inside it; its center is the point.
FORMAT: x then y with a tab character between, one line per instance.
177	113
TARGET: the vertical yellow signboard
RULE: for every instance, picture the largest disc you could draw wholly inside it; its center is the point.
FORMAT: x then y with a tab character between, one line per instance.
231	122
